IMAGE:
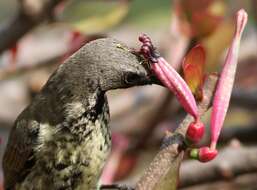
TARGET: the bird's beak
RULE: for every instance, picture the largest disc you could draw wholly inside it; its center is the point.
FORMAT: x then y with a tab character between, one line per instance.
155	80
151	77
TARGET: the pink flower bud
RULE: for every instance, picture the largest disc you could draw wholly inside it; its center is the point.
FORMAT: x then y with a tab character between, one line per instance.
169	77
195	132
179	87
225	84
204	154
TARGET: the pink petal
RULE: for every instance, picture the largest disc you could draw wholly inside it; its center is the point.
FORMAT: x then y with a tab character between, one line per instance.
179	87
226	80
169	76
160	74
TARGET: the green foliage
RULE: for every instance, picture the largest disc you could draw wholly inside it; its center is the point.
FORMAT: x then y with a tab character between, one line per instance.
149	12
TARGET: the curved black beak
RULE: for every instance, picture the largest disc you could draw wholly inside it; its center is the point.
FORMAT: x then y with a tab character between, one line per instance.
155	80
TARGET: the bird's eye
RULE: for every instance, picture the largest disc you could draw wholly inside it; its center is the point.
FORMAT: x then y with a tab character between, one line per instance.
132	78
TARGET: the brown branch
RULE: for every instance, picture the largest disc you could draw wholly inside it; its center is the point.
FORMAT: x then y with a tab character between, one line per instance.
245	134
230	163
246	181
163	171
152	122
254	10
244	98
30	14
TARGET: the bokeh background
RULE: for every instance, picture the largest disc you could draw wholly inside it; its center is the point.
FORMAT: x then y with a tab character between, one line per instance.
32	46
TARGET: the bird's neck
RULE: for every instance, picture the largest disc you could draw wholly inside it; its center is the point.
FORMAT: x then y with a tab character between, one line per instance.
83	104
70	99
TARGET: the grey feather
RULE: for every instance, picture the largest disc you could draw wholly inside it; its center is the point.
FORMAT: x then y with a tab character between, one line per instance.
62	139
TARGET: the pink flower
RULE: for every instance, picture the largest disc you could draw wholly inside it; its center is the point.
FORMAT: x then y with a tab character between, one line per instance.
172	80
226	81
169	76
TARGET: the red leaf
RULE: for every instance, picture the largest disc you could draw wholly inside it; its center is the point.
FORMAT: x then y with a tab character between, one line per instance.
204	23
193	68
195	17
199	5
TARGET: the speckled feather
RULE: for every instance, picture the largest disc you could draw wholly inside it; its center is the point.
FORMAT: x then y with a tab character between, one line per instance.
62	139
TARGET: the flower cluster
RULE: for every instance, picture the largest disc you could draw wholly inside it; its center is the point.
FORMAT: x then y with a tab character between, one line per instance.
173	81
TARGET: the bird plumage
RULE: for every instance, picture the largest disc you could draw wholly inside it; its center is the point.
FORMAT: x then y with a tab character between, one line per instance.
62	139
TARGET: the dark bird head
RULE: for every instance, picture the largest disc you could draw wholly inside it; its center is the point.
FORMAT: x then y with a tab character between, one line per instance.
107	64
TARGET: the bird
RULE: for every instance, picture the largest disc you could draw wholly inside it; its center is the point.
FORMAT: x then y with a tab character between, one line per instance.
62	139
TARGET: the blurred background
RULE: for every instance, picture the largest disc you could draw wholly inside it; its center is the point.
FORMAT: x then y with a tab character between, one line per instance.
38	35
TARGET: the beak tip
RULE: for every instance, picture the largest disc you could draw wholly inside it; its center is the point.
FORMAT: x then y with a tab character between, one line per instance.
155	80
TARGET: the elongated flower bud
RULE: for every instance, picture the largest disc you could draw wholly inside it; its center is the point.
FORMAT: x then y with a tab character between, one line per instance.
179	87
169	77
195	130
226	81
